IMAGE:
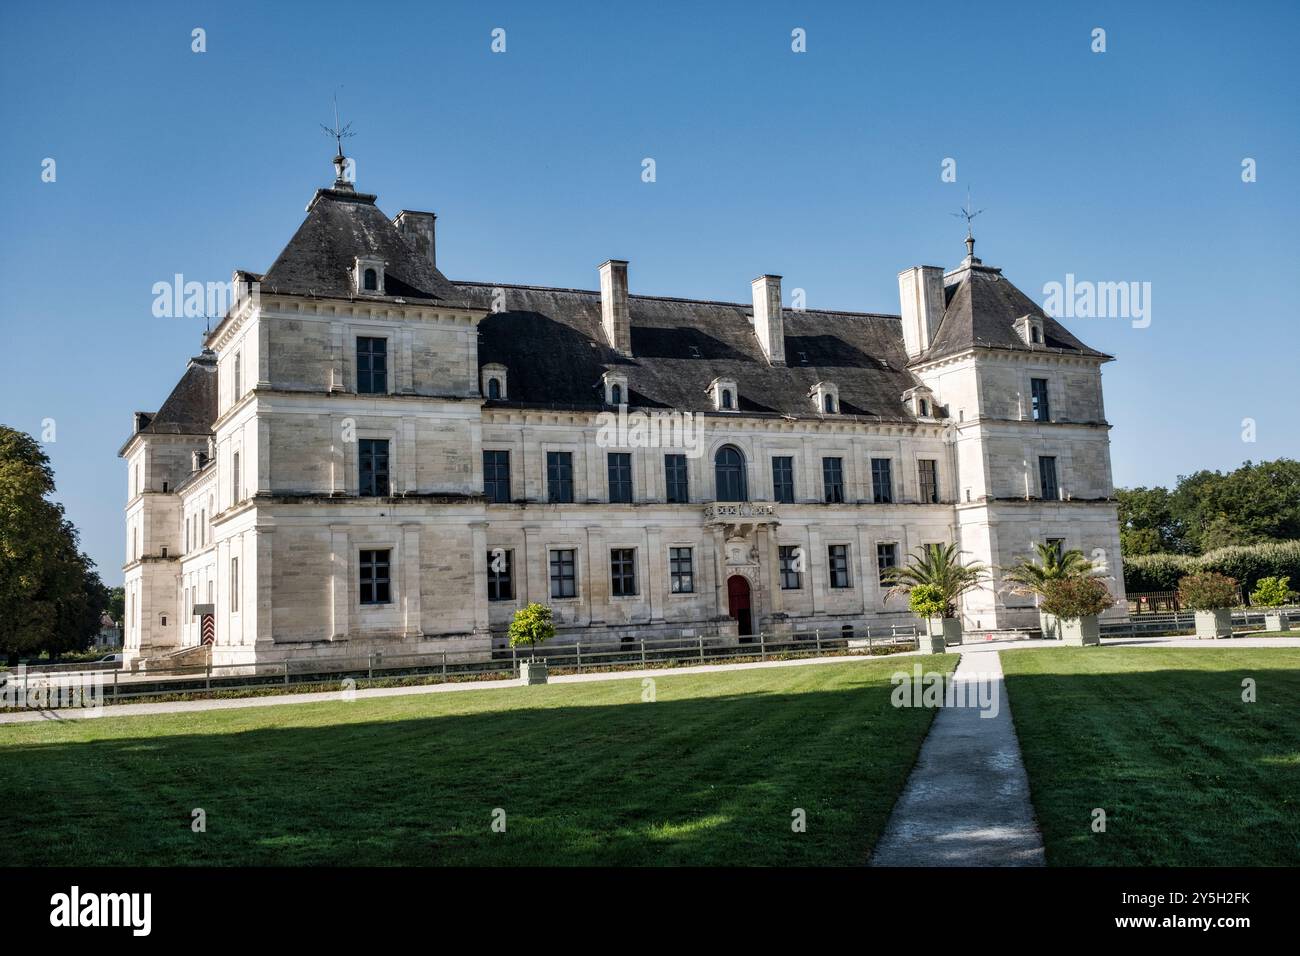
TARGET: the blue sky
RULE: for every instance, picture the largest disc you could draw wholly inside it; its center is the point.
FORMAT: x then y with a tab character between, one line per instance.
822	166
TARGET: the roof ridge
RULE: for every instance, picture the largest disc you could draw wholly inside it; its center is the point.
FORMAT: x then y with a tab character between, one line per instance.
662	298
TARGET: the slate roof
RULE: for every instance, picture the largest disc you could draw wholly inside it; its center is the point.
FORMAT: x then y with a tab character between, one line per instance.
191	408
342	224
553	345
981	308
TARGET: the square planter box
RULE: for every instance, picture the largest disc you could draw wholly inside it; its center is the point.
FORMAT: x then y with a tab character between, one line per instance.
1050	625
1079	631
532	672
1276	621
1212	624
938	637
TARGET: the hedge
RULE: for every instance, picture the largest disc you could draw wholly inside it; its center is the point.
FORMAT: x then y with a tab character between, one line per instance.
1247	563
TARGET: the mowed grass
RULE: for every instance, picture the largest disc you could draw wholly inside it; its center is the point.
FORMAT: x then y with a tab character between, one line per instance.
709	773
1187	773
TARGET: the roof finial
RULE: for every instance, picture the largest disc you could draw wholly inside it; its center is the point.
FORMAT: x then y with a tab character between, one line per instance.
340	133
968	214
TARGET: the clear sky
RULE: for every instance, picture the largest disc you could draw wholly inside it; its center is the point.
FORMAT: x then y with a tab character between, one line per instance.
823	166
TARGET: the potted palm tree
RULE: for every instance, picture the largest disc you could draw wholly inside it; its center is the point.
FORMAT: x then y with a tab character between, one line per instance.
936	572
532	626
1031	578
1272	594
1212	596
1076	602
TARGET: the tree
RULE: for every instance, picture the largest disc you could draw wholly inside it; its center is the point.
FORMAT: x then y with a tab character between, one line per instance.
1271	592
532	626
939	566
1032	577
1147	524
50	595
1074	597
117	604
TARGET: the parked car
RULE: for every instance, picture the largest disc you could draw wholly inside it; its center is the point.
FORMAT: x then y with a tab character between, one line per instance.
111	659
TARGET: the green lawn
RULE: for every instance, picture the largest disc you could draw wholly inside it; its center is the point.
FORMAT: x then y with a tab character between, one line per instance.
587	774
1187	773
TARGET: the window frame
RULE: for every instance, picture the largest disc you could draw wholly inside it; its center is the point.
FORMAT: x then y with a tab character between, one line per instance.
366	456
882	467
741	468
681	568
618	477
556	562
933	483
501	584
677	479
1042	478
833	479
838	568
376	581
882	548
492	485
783	485
367	375
622	573
1040	403
786	559
559	487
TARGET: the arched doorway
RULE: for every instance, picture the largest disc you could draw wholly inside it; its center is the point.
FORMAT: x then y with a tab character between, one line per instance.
738	604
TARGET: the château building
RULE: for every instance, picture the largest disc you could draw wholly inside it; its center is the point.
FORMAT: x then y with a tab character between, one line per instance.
367	456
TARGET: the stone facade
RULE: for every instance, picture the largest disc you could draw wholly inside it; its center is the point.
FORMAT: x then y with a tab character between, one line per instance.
248	501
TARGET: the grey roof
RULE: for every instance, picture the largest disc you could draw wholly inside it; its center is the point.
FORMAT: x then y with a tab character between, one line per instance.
191	408
553	345
981	310
342	224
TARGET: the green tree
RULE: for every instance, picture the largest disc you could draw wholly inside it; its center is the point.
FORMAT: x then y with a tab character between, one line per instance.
938	566
117	604
1146	522
1032	577
50	595
532	626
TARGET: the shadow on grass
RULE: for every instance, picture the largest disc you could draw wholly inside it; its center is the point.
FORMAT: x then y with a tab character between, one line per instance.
1161	740
704	780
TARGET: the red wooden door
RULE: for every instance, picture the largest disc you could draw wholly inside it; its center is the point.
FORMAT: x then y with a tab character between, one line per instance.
738	603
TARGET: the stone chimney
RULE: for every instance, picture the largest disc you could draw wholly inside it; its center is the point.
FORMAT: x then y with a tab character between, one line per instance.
613	306
417	229
769	321
920	294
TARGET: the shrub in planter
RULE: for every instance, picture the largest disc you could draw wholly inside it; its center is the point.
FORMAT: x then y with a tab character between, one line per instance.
1271	594
927	602
531	627
1031	578
937	566
1076	602
1212	596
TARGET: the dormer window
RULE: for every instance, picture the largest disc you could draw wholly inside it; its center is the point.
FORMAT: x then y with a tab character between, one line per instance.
825	397
368	275
1030	330
615	387
725	395
921	401
492	381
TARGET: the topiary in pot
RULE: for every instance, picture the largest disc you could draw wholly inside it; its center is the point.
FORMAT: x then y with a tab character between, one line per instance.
531	627
1271	594
1076	602
1212	596
927	602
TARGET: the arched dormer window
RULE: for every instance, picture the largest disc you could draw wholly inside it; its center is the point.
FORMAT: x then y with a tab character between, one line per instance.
368	274
614	388
724	394
726	398
828	404
825	398
494	388
616	394
371	281
492	381
729	474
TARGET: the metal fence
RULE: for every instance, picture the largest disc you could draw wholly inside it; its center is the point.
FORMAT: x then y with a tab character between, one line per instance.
306	675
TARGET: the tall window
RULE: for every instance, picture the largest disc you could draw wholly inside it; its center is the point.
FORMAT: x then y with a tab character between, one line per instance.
372	455
681	569
882	481
238	377
372	366
886	558
1041	409
1050	491
791	576
929	474
501	586
371	281
236	491
374	577
496	476
677	486
620	477
726	398
494	388
564	578
729	474
559	477
203	527
833	479
234	584
783	479
622	572
616	394
838	555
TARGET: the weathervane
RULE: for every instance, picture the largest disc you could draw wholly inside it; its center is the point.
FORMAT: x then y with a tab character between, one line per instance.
968	214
